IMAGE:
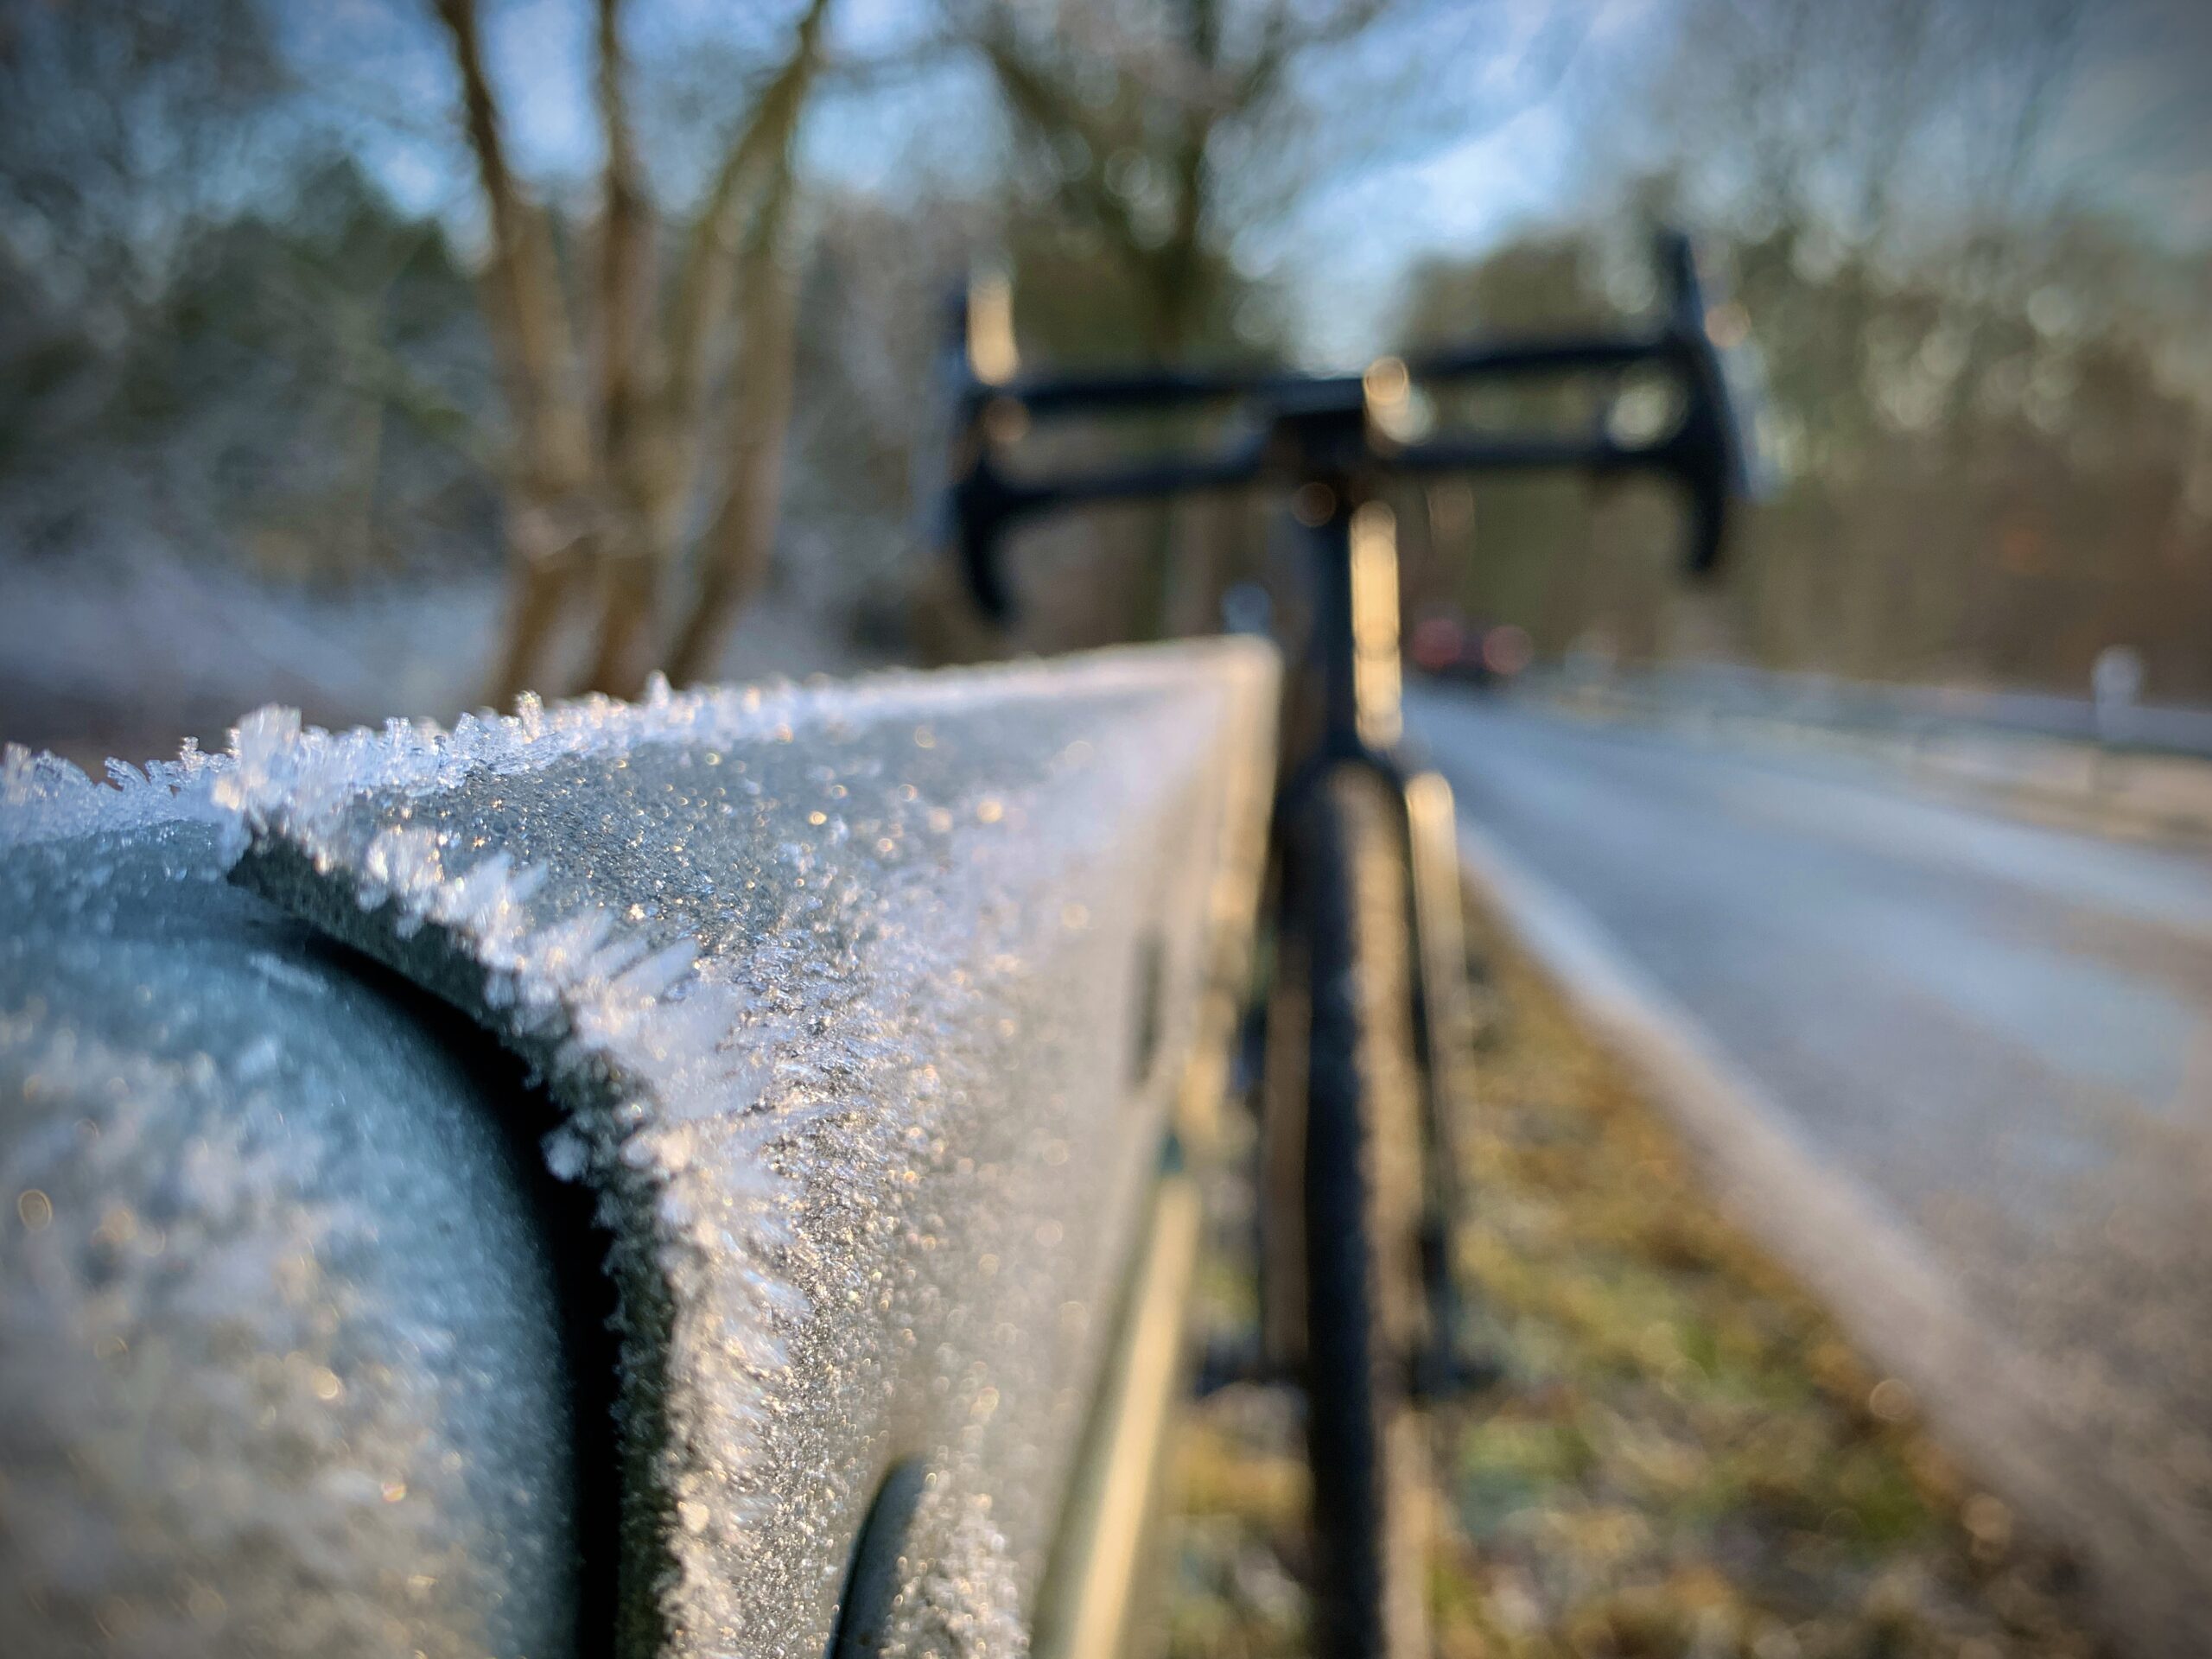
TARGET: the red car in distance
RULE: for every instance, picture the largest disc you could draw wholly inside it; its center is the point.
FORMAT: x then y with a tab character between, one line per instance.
1487	654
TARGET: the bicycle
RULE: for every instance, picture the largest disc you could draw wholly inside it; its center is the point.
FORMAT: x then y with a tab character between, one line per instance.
1366	1013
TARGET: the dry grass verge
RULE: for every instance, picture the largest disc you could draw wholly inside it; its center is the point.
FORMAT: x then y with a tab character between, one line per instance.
1681	1456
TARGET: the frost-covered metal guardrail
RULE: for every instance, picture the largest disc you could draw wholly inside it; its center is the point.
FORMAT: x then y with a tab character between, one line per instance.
841	1030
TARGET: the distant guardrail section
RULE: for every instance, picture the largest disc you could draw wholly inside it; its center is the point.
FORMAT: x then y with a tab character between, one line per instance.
1821	699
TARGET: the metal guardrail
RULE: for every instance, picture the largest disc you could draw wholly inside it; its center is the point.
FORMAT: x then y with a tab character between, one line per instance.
845	1037
1824	699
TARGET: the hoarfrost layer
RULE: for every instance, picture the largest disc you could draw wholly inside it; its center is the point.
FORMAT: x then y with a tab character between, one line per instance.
43	797
277	1372
865	1005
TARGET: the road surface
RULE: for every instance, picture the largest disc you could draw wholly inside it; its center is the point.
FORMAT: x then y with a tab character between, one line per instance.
1998	1035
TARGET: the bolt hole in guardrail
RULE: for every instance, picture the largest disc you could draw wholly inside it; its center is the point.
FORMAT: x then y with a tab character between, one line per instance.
880	1567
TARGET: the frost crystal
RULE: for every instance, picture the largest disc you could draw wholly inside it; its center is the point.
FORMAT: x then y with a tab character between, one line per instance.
42	796
838	988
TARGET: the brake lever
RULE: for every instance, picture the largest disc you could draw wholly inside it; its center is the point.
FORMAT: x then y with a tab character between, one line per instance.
971	514
1709	452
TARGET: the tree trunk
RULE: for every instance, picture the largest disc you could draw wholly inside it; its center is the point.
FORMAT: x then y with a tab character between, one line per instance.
630	566
629	554
733	560
543	562
531	335
606	449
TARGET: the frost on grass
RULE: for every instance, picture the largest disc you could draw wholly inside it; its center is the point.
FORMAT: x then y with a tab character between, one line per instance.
838	990
247	1358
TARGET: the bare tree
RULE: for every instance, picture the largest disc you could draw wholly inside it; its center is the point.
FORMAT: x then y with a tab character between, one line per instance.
124	122
125	127
1873	165
1162	132
1127	109
1990	447
1123	115
612	409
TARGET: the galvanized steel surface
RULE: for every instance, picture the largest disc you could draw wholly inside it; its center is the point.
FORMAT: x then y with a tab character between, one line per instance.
862	1003
279	1354
863	1009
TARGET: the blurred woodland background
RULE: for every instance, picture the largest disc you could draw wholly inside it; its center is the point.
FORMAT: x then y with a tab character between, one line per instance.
395	356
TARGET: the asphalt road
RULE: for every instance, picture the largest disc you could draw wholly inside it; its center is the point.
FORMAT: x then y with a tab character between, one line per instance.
1999	1033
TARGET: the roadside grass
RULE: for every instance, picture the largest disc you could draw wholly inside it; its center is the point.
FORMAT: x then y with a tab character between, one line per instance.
1680	1455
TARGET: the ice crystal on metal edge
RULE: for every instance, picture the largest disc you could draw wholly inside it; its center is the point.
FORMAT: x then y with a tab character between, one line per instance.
43	797
839	986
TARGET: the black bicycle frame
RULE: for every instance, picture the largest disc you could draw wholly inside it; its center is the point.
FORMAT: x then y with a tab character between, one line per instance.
1327	439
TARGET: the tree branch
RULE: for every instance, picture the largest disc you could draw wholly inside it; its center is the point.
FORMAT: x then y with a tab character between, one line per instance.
625	234
703	278
548	536
1055	112
522	280
734	554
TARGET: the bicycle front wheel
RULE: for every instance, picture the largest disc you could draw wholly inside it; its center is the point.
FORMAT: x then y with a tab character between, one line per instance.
1347	901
